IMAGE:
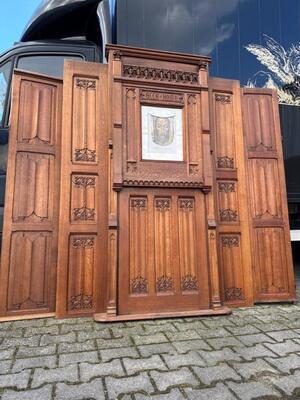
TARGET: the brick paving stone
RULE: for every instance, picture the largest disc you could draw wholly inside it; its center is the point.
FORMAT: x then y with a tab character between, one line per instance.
28	323
149	339
183	347
180	326
160	348
92	390
11	334
117	386
214	357
220	343
285	364
5	366
178	360
181	377
113	343
254	368
134	365
6	354
25	351
184	335
219	392
133	330
89	345
243	330
5	325
280	336
87	335
51	330
270	327
19	380
50	339
33	362
174	394
214	333
44	393
110	354
66	328
65	374
89	371
220	372
213	322
73	358
258	351
250	340
31	341
167	327
71	321
252	390
284	348
288	384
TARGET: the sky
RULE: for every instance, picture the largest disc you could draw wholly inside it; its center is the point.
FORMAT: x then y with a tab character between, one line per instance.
14	15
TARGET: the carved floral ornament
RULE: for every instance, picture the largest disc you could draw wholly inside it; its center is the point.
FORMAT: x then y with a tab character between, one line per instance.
223	98
164	283
226	187
81	302
225	162
234	293
228	215
85	84
163	204
230	241
87	242
139	285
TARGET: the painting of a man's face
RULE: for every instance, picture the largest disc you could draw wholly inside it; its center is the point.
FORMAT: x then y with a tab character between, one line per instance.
163	132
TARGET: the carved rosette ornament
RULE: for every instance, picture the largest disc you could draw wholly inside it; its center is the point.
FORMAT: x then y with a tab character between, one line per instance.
84	214
186	204
189	282
225	162
164	284
226	187
85	154
138	72
230	241
228	215
84	181
139	285
85	84
163	204
138	204
83	242
234	293
223	98
81	302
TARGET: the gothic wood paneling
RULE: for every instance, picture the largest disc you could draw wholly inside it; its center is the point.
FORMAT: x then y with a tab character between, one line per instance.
163	251
235	263
29	248
271	248
82	255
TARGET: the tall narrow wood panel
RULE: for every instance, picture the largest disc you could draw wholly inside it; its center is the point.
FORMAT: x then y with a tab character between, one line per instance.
272	258
235	262
29	248
83	221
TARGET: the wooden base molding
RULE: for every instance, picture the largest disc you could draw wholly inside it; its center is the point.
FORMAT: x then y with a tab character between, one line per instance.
103	317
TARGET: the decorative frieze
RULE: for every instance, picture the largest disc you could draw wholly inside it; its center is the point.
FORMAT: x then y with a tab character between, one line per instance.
159	74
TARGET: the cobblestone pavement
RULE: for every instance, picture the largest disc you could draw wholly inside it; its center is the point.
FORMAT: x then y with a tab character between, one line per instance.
252	354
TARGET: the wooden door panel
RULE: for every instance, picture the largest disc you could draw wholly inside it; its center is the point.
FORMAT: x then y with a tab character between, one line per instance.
272	258
233	238
163	256
29	248
82	253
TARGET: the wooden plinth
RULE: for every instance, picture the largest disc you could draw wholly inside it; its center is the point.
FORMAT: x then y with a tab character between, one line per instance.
103	317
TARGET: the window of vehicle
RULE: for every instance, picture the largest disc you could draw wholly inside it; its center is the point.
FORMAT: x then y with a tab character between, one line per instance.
52	65
4	80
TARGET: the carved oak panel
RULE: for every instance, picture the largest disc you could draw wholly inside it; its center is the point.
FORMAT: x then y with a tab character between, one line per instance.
84	108
81	273
83	198
30	283
34	188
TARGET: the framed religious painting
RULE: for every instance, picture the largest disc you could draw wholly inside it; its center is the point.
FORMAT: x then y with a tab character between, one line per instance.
162	133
